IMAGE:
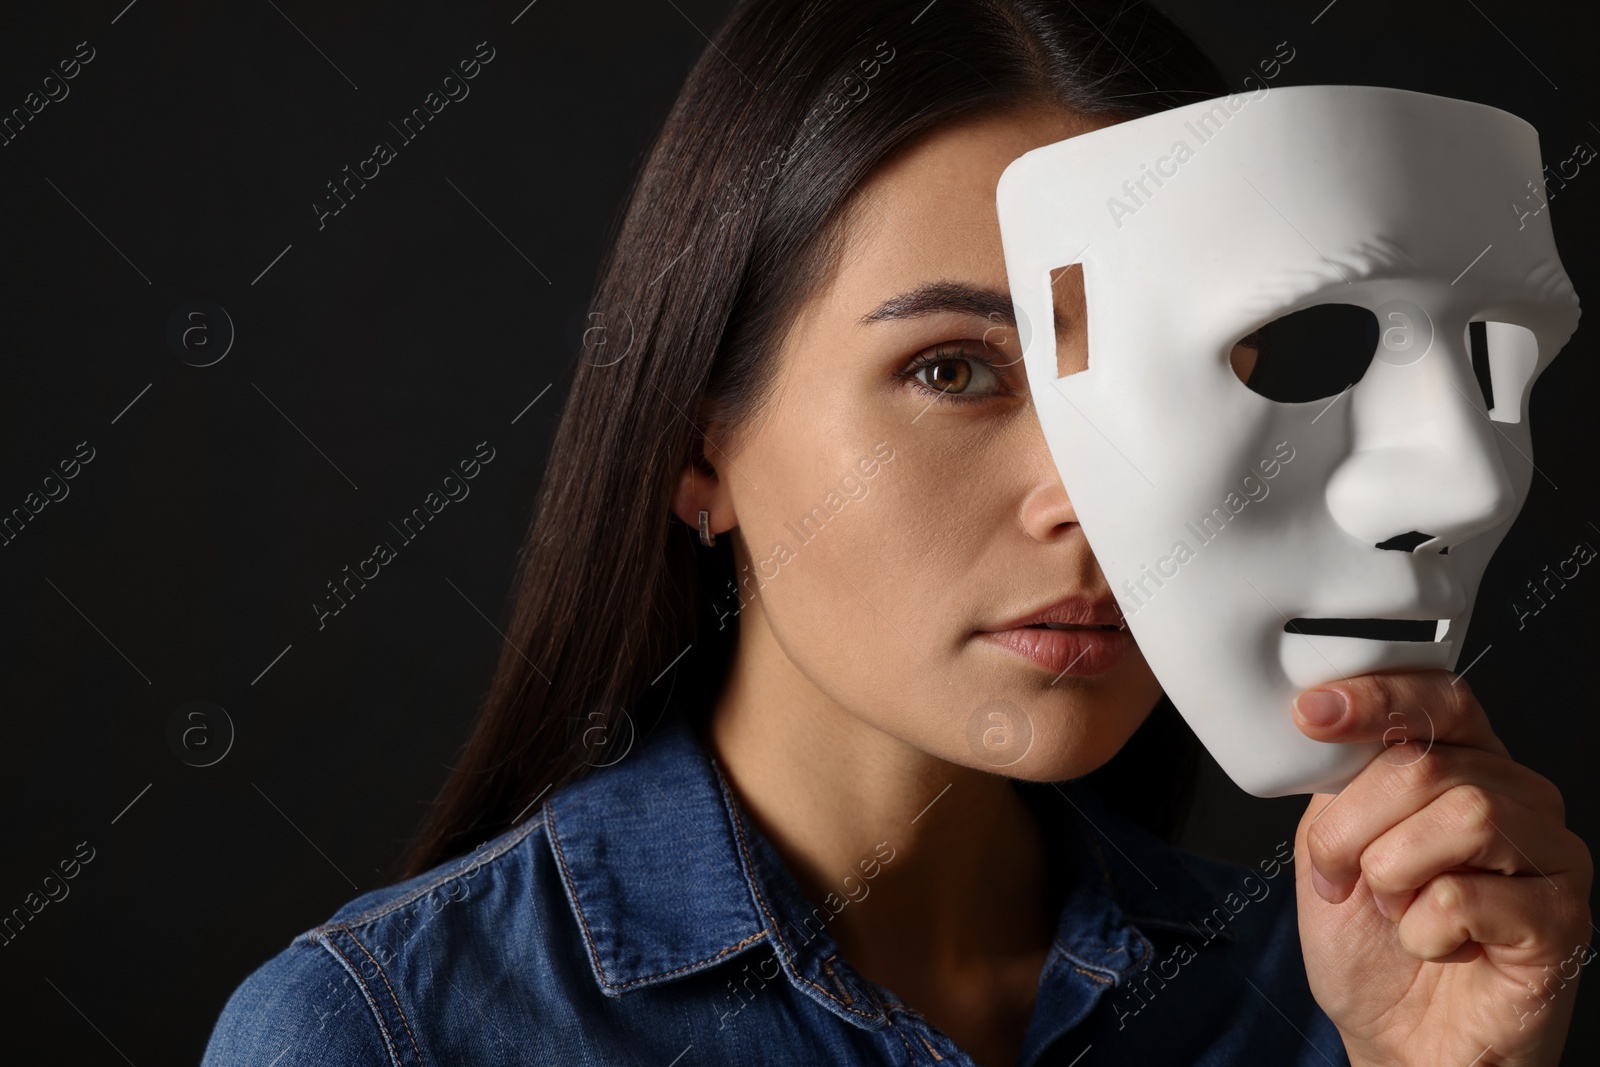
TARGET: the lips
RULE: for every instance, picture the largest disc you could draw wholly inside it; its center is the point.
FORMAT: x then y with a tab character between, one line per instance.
1072	611
1078	650
1075	635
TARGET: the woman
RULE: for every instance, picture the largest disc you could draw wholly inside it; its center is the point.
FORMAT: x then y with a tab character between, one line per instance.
783	763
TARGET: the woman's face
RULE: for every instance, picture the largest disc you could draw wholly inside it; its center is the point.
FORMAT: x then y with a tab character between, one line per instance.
897	510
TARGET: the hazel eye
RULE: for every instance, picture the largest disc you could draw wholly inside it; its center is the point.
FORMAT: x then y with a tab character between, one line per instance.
954	372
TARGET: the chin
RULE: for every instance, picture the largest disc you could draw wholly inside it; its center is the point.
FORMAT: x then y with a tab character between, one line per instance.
1047	744
1058	766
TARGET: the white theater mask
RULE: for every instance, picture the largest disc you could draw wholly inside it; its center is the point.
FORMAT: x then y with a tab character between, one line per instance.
1233	525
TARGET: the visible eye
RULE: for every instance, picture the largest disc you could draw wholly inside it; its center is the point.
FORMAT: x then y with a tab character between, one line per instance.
1246	354
954	372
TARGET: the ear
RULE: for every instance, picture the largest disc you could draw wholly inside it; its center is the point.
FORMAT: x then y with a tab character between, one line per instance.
699	489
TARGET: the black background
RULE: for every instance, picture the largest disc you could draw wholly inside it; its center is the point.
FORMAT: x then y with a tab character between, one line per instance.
376	353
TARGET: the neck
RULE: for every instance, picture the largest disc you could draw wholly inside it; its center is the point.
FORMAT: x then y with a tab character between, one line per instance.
941	867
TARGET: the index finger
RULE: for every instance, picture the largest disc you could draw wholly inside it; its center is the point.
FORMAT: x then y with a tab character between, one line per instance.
1400	707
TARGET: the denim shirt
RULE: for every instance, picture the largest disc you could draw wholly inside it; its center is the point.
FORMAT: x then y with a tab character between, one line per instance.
640	918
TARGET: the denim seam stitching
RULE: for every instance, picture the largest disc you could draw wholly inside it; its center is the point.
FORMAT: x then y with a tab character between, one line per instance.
1083	966
421	891
1079	963
772	923
366	990
401	1011
1105	873
891	1004
827	965
911	1055
1102	979
594	951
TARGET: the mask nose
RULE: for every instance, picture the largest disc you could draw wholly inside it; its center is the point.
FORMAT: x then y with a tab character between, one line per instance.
1424	457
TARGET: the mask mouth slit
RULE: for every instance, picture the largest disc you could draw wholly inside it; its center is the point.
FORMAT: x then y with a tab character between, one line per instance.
1406	542
1371	629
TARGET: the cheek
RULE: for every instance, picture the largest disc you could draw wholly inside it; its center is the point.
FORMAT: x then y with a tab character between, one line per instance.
869	597
894	572
853	565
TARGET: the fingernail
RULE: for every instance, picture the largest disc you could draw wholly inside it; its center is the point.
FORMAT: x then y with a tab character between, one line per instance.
1386	906
1320	707
1323	887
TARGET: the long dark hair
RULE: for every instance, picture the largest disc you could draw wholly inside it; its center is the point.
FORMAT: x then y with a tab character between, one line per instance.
731	222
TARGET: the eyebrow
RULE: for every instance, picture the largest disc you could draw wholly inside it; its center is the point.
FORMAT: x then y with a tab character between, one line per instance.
936	298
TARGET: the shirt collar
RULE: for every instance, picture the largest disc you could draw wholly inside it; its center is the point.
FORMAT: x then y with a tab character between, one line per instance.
667	877
1124	882
650	861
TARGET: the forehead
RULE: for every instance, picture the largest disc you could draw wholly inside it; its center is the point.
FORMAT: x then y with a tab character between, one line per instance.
928	211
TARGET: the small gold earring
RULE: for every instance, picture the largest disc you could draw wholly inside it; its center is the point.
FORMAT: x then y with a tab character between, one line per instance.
707	538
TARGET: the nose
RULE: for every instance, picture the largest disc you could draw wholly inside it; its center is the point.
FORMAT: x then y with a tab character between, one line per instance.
1047	513
1424	456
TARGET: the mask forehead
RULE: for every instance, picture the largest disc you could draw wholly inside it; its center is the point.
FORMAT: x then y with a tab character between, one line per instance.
1195	225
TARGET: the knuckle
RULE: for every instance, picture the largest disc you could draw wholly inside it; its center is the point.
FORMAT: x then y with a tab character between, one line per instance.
1373	694
1393	703
1424	775
1474	808
1451	899
1561	919
1325	842
1381	867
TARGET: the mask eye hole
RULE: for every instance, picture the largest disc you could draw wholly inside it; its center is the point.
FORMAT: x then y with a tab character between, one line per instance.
1503	359
1311	354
